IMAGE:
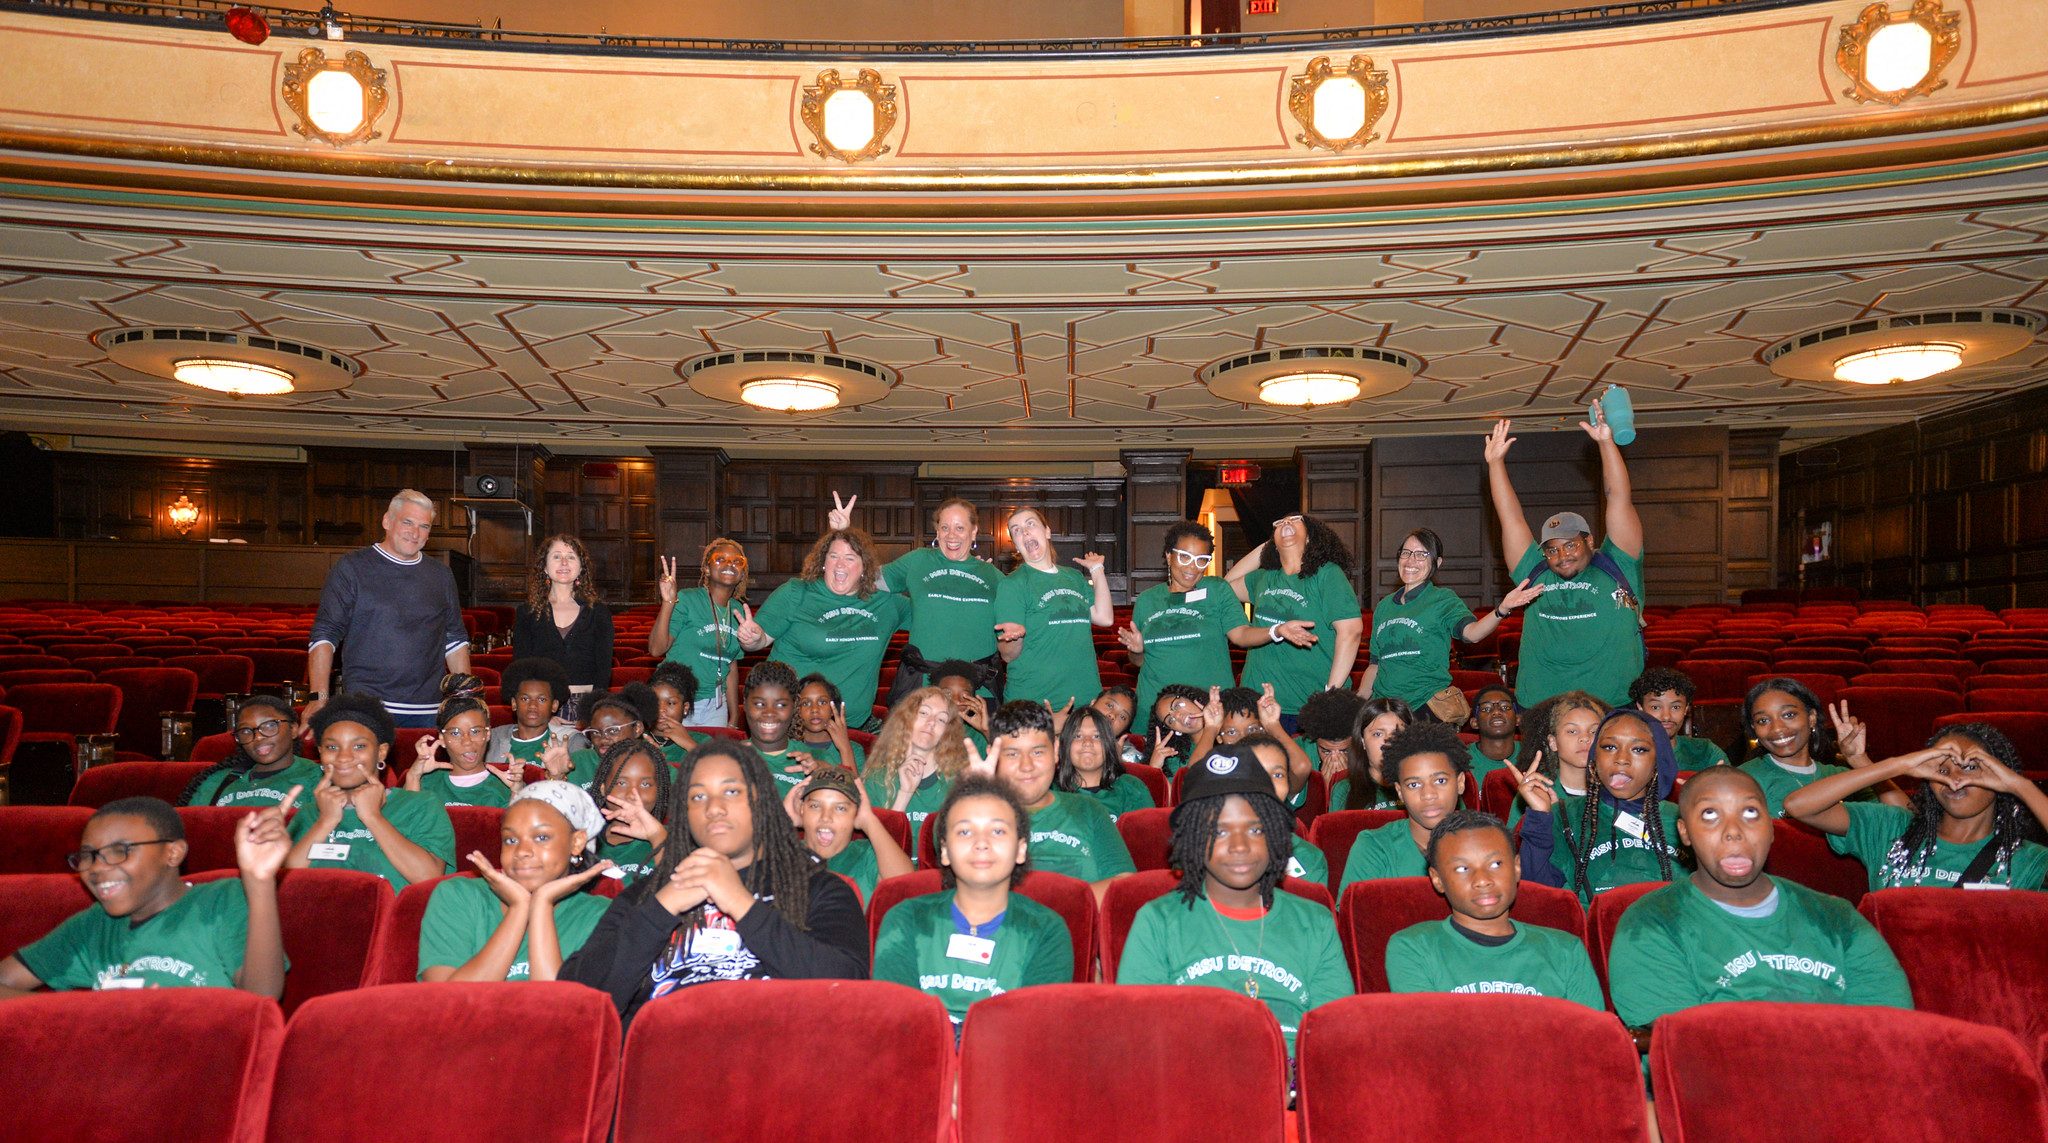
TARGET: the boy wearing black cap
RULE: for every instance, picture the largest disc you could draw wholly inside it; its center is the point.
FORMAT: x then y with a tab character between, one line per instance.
1584	631
1225	927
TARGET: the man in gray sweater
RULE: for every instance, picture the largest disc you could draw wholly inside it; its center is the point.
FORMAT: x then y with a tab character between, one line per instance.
394	616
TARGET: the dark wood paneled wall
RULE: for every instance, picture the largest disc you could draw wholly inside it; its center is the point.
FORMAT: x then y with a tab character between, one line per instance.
1336	487
776	509
1698	492
1157	489
609	504
1952	509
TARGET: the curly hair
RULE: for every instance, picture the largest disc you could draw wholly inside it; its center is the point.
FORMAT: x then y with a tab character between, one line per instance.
678	678
785	864
585	587
739	590
238	760
1328	715
1424	738
1185	530
863	546
1065	777
773	673
1656	681
520	672
1323	547
1194	838
1912	854
982	786
892	743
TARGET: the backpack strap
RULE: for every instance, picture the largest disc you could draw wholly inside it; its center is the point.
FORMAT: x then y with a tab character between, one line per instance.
1981	864
1629	599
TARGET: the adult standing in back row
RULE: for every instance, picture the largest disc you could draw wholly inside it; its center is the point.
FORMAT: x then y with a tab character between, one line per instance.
1043	615
1299	586
952	598
393	616
1584	631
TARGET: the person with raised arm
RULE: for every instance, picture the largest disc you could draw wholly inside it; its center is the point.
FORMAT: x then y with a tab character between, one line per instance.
952	595
1043	613
707	628
1299	588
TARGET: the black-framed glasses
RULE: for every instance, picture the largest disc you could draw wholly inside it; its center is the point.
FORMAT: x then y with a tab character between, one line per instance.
263	729
1495	707
1412	555
113	853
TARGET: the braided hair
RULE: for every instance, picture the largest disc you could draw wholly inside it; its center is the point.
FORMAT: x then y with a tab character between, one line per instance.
1582	847
782	862
1194	836
455	706
1912	855
239	761
613	760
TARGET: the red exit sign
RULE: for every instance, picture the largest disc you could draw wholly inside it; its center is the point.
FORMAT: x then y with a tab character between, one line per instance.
1263	7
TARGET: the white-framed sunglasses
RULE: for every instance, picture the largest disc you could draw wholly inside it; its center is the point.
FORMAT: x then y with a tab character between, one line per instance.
1189	559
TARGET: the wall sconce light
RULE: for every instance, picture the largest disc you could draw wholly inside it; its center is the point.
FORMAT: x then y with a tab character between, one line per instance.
849	119
1337	110
337	101
183	514
1895	56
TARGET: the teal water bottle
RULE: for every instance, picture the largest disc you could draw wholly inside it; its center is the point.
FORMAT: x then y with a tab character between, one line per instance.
1620	413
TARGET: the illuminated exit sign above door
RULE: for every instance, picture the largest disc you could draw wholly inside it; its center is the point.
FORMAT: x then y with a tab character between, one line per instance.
1263	7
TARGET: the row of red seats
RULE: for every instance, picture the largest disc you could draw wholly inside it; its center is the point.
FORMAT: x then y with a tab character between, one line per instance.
799	1059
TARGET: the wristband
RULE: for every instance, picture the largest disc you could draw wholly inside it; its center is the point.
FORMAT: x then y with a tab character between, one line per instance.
1273	632
1499	614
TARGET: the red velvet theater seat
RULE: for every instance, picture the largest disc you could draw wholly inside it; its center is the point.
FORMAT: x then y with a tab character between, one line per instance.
219	675
213	748
1153	777
825	1061
1337	831
1605	916
146	692
1148	834
396	958
1072	898
1082	1063
34	839
54	712
330	920
1725	1073
1372	1067
1800	853
1129	894
1373	911
477	828
191	1064
210	835
32	904
1975	956
116	780
538	1060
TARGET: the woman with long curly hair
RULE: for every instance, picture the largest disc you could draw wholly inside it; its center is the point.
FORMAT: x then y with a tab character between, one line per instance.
1299	586
708	628
563	619
922	748
734	895
835	620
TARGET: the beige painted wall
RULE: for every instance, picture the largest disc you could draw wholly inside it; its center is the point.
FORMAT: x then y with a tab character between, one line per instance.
778	19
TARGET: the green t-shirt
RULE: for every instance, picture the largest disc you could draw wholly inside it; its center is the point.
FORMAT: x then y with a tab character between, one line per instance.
1187	640
1290	959
1057	661
1308	862
779	767
196	943
527	750
931	794
418	818
1322	599
1676	948
1779	783
1074	836
1389	851
706	639
634	857
952	603
247	788
1874	826
1435	956
1341	789
1120	797
489	792
1577	636
841	637
1481	767
583	764
1618	858
1411	642
1697	753
463	913
827	753
915	946
857	861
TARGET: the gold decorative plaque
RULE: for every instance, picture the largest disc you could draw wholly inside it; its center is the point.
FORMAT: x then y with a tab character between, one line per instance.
1301	101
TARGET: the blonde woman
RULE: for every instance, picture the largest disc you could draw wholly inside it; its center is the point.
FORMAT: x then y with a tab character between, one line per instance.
922	748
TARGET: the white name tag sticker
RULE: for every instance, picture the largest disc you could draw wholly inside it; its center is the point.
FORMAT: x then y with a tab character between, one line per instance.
1196	596
328	851
1629	824
1985	885
1295	868
613	872
123	982
715	942
980	950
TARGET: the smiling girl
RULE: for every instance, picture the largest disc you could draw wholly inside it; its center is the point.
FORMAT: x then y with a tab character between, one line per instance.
357	823
1792	748
462	780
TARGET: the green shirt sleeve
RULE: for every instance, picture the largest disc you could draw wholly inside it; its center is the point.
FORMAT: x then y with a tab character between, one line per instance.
1875	977
778	614
1337	599
1329	977
896	948
453	929
1581	984
426	825
1873	827
1646	970
1144	956
1052	954
1112	856
1409	969
63	960
1010	600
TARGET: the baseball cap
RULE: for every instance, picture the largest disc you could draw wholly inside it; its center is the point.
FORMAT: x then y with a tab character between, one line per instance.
838	779
1226	772
1564	526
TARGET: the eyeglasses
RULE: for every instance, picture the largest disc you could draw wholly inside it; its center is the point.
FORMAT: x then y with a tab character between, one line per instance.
1495	708
728	560
610	733
263	729
1559	547
472	732
1185	559
1410	555
111	854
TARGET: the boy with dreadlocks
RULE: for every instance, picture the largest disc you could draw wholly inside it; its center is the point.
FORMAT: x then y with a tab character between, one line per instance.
1428	764
1732	932
733	896
633	786
262	768
1968	825
1226	927
1479	948
1619	831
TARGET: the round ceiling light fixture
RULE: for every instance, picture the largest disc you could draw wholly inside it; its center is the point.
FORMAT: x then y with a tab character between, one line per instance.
1903	348
790	394
1310	376
792	381
238	364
